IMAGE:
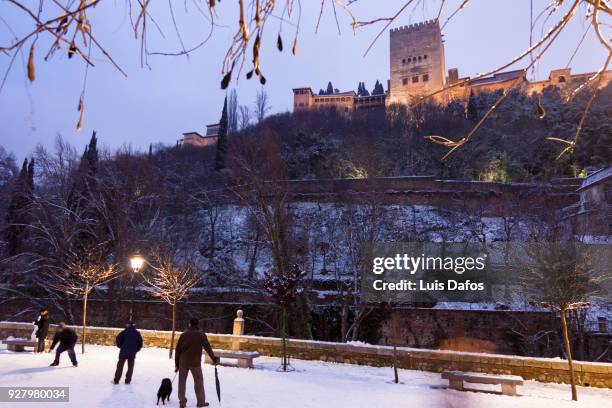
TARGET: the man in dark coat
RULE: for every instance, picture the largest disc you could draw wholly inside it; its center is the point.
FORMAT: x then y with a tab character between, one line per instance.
67	338
129	342
188	358
43	329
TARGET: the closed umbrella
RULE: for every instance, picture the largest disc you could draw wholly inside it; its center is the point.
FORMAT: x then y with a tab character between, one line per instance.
217	385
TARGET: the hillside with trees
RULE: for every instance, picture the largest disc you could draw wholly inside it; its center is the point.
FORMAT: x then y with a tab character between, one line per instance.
65	213
511	145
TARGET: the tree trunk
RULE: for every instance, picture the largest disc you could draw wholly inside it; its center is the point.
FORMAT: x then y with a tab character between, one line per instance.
568	352
212	241
84	334
253	259
344	322
396	378
284	336
355	327
173	329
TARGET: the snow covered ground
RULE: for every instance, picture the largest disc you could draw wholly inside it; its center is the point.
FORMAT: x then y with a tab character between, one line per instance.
314	384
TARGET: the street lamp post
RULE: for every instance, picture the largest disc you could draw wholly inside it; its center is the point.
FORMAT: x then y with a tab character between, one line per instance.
136	262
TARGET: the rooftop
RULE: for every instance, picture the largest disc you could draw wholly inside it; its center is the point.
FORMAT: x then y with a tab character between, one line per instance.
499	77
597	177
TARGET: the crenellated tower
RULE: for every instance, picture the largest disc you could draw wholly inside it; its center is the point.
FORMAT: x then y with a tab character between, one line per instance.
416	61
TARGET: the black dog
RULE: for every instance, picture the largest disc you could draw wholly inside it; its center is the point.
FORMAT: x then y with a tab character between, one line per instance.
165	389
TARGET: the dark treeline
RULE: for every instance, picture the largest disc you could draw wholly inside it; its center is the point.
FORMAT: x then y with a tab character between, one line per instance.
510	146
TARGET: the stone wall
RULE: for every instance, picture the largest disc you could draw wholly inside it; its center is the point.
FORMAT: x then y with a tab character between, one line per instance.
491	331
490	198
540	369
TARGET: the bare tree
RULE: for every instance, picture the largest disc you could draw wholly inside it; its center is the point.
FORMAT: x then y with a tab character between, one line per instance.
260	174
360	225
262	105
285	289
170	282
245	117
80	273
563	276
70	250
8	167
232	112
212	207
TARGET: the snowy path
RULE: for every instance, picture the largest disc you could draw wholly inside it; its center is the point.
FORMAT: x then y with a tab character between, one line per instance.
313	385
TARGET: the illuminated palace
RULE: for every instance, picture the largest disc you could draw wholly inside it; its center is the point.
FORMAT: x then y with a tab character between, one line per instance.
417	68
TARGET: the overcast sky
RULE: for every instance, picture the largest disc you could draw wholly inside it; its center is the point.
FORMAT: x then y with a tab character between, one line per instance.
177	95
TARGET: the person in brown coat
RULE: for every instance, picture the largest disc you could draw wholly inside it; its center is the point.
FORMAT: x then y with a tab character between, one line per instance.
188	358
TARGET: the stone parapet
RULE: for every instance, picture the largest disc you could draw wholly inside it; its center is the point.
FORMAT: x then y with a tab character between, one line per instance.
540	369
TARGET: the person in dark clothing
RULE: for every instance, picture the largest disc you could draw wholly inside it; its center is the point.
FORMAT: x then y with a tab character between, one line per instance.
43	329
129	342
188	358
67	338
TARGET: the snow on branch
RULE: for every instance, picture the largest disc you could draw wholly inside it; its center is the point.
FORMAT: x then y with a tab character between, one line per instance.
170	281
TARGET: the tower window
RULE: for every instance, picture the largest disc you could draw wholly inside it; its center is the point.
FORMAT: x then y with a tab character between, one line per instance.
562	79
425	77
415	79
404	81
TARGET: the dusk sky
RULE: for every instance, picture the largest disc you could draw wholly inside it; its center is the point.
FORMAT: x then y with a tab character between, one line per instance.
177	95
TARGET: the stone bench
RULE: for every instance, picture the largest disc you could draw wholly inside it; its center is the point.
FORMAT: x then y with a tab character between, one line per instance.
508	382
244	359
19	344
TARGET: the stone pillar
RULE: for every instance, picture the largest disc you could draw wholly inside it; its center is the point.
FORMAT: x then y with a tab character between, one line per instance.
238	330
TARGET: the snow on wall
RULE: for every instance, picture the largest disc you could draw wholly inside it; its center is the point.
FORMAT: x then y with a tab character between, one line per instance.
540	369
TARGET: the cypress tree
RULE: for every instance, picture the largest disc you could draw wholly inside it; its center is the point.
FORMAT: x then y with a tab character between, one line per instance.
17	216
92	155
82	192
378	89
31	176
472	108
364	90
330	89
222	139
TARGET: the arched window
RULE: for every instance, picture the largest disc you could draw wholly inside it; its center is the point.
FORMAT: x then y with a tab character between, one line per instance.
419	58
561	78
403	60
425	56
